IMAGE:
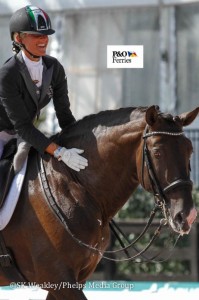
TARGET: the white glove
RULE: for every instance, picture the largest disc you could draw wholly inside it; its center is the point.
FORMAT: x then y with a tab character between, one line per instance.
71	158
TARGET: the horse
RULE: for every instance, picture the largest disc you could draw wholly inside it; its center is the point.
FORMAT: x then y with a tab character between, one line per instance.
65	251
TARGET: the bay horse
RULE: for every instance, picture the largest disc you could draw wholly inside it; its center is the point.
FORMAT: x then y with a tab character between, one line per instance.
47	251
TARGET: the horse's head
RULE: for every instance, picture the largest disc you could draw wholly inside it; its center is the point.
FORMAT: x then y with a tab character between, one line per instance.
166	166
111	142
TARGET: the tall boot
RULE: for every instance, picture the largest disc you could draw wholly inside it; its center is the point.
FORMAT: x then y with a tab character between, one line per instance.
6	178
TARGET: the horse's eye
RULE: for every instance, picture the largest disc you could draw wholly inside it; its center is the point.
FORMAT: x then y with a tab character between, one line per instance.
156	153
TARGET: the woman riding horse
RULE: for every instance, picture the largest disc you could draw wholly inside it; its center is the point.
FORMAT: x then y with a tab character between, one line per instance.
60	228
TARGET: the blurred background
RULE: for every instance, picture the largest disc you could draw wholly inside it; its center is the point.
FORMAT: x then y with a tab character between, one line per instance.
169	31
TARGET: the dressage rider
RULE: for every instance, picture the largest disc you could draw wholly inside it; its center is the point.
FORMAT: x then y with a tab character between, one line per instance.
28	81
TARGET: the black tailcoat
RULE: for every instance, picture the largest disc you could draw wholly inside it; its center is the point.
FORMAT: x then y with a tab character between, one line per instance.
21	100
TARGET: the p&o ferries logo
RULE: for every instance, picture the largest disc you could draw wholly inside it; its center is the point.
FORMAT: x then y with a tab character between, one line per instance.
128	56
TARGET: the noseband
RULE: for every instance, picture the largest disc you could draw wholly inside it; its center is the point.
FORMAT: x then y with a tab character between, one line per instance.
159	191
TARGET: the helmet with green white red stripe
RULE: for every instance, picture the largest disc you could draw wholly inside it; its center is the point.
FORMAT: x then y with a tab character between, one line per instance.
30	19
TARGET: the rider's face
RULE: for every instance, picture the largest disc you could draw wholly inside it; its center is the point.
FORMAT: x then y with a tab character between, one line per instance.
35	43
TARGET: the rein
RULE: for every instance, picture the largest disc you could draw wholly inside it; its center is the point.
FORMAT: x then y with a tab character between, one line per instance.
61	216
158	191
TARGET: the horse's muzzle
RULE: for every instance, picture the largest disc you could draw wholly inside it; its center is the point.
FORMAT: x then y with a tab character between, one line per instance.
182	224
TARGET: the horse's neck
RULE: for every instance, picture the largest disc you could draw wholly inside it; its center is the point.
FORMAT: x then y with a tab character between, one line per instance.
112	174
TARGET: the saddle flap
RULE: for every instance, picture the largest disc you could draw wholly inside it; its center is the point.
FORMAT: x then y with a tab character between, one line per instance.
9	150
6	169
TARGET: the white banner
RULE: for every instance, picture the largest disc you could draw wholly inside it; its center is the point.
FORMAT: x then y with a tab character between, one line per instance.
125	56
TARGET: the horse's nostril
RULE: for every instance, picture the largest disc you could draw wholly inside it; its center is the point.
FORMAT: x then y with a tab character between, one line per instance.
179	218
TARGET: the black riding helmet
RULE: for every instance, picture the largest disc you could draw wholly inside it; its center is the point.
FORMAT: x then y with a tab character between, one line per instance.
30	19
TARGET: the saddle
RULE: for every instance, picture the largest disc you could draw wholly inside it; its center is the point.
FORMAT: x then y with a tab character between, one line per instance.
6	169
8	264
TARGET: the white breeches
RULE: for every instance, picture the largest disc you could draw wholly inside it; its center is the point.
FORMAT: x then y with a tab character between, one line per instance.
22	149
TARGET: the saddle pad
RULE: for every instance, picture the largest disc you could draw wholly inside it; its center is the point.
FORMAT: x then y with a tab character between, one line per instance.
11	200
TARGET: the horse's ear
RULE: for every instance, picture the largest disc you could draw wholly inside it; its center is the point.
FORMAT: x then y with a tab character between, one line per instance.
188	117
152	114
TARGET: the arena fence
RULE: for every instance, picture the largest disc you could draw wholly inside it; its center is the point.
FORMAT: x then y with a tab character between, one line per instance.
180	263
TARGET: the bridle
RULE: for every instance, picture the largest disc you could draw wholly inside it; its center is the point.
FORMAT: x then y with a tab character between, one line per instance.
158	191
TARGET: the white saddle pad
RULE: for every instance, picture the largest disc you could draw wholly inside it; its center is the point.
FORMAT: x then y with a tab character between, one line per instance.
11	200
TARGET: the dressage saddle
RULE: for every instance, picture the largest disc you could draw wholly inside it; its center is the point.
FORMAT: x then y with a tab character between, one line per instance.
6	169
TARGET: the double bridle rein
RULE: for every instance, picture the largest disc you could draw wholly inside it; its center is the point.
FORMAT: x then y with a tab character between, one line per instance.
158	192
